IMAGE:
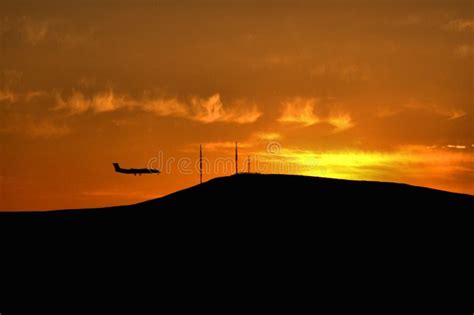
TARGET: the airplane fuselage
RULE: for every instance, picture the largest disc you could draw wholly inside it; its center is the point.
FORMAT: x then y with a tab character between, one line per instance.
135	171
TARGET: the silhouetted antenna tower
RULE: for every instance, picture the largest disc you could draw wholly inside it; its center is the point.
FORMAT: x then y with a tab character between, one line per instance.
236	159
200	164
248	165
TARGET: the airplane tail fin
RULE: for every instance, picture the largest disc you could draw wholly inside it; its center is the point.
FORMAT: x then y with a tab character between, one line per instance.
116	166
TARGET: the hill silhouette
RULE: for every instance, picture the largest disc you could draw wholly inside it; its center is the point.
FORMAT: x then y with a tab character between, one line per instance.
270	192
251	198
275	191
280	230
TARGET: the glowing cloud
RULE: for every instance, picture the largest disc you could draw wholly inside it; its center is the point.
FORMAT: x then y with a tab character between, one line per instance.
208	110
203	110
10	96
448	112
7	95
300	111
34	94
34	31
460	25
105	101
212	110
268	136
34	128
452	146
341	121
465	50
47	129
164	107
224	146
245	116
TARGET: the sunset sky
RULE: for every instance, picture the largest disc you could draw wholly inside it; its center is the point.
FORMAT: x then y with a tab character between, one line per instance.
371	90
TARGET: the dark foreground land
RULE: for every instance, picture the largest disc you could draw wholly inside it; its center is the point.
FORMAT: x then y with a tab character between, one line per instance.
293	238
264	202
257	194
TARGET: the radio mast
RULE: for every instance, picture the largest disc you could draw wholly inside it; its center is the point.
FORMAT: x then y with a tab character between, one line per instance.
236	159
200	164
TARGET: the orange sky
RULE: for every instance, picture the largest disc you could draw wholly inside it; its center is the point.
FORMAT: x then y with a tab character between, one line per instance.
375	90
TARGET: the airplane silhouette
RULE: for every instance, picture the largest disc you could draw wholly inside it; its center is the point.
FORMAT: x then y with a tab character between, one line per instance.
135	171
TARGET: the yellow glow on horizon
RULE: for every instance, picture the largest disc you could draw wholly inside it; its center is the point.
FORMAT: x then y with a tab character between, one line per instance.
416	165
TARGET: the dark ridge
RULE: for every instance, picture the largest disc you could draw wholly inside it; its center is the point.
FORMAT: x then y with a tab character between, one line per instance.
275	191
248	198
344	235
261	193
